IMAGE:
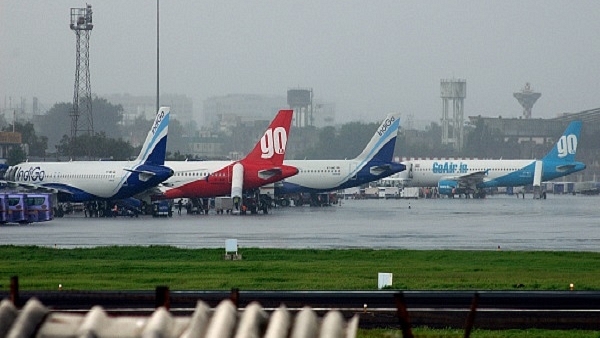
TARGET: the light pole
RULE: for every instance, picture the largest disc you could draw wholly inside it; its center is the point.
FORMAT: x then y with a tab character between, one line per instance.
157	59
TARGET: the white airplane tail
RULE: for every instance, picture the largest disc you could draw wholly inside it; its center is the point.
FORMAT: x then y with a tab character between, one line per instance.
154	149
382	144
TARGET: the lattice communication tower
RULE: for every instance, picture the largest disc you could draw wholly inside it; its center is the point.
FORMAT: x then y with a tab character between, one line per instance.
81	114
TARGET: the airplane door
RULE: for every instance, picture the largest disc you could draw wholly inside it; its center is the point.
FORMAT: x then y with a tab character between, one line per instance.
410	170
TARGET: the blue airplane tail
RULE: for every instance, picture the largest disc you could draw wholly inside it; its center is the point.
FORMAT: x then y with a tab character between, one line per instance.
566	146
154	149
382	144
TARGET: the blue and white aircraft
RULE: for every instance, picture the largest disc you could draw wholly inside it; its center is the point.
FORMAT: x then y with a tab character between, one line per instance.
79	181
374	163
470	176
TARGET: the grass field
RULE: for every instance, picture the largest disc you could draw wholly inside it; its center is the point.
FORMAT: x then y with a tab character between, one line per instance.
144	268
127	268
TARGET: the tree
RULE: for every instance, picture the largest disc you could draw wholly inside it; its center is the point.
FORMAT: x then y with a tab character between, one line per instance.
96	146
57	121
37	144
15	155
353	138
484	142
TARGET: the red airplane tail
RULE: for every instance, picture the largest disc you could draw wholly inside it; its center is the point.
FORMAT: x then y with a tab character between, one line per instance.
271	146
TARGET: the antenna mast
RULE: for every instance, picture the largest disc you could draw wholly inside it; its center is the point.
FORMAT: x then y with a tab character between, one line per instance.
81	114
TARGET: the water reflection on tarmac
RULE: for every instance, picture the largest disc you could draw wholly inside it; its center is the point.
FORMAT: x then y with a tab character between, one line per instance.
568	223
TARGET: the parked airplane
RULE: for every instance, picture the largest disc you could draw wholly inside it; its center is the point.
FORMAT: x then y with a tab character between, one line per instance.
470	176
263	165
78	181
374	163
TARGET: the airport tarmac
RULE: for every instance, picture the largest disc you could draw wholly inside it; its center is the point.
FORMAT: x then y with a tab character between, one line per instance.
561	222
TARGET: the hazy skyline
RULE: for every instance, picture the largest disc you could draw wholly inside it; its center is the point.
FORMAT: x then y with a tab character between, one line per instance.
369	58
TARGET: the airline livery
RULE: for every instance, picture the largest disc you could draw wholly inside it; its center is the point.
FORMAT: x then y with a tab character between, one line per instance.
263	165
470	176
374	163
79	181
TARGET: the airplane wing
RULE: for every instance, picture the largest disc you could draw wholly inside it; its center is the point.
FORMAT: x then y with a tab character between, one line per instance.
268	173
469	180
31	186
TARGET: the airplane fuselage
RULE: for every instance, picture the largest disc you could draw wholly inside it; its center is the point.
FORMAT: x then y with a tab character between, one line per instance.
89	180
327	175
204	179
498	173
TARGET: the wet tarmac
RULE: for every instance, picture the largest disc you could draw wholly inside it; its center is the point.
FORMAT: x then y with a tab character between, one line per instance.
561	222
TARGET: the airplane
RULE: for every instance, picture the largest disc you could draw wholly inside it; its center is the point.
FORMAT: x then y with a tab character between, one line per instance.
81	181
372	164
204	179
471	176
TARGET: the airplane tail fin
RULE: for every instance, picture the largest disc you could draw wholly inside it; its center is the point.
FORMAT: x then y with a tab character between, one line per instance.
566	146
154	149
381	147
271	146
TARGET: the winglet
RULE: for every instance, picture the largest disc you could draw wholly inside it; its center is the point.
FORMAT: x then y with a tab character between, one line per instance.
271	146
566	146
154	149
383	142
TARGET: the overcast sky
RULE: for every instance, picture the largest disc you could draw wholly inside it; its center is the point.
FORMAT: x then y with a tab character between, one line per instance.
368	57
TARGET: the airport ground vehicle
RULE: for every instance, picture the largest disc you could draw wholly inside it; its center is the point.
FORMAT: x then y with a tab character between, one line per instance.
312	199
26	208
162	208
223	204
39	208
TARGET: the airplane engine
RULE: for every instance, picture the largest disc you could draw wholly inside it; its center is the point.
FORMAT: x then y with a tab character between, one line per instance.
237	183
450	188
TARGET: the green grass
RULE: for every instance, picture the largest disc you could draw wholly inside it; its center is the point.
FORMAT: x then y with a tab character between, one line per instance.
129	268
144	268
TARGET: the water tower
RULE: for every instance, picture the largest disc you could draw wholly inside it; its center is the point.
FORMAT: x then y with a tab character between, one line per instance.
81	114
453	93
301	101
527	98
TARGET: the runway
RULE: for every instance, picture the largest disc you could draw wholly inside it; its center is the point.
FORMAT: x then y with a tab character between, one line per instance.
561	222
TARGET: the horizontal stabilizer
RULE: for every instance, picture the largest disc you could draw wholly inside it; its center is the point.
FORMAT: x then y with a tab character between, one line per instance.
268	173
565	167
379	169
144	175
386	168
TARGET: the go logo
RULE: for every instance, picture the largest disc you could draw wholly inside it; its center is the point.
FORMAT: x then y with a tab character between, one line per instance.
31	174
273	142
566	145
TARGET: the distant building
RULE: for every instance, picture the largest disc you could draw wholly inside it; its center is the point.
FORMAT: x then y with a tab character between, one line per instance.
324	115
182	107
206	145
222	111
9	140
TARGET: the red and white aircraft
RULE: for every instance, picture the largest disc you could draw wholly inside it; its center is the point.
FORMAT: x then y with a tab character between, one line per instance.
263	165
